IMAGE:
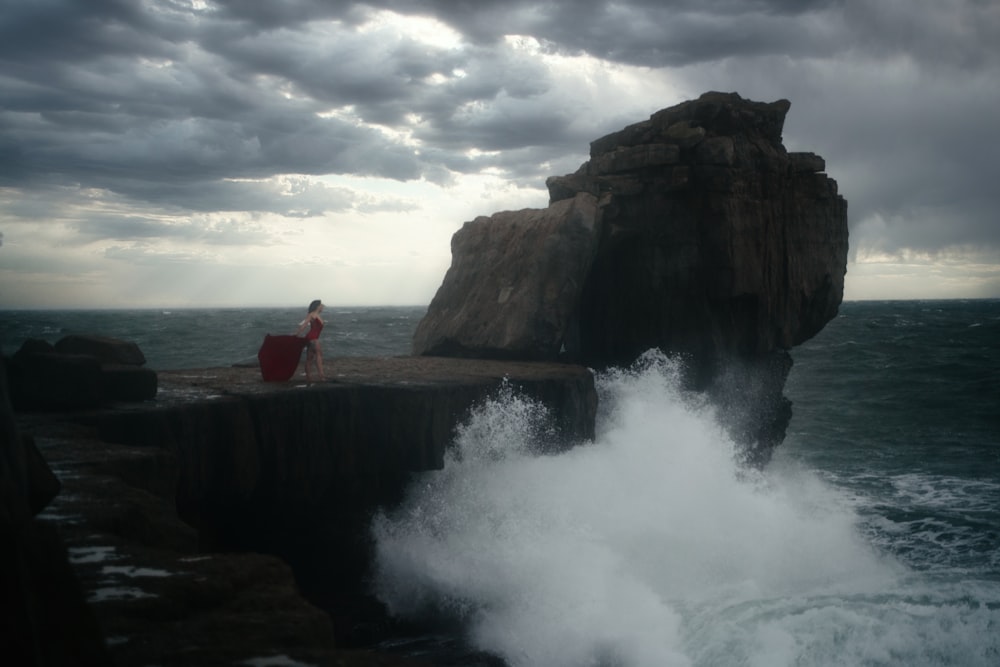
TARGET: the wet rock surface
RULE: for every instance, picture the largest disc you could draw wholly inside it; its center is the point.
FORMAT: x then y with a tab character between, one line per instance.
226	520
158	598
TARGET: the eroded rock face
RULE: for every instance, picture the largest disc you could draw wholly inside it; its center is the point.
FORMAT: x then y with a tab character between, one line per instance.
514	286
727	247
709	241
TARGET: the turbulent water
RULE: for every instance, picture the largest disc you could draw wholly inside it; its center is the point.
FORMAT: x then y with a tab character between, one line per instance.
873	538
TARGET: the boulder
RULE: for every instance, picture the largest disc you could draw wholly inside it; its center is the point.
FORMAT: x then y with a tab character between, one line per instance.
106	350
291	469
78	372
33	346
709	241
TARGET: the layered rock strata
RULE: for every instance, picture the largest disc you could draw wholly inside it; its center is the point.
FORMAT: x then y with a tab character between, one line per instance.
694	232
714	240
513	289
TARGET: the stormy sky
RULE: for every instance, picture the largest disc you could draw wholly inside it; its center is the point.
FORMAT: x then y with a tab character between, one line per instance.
268	152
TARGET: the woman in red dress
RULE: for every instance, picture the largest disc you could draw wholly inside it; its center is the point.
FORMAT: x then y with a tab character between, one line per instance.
314	353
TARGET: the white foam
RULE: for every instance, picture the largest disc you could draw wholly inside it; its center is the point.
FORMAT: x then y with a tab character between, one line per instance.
106	593
649	546
92	554
281	660
133	572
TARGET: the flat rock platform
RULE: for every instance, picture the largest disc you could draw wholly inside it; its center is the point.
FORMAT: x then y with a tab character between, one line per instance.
225	522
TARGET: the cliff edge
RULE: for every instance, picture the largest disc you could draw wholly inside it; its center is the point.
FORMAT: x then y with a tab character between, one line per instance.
226	520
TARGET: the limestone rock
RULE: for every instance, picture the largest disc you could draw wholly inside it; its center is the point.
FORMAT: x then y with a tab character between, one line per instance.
707	239
710	241
104	349
514	284
158	599
79	372
55	382
747	258
128	383
41	483
31	347
293	470
807	162
45	618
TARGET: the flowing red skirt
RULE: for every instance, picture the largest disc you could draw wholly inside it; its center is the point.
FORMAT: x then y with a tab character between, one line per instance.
279	357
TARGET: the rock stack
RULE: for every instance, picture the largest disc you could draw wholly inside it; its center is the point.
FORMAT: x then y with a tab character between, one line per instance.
694	232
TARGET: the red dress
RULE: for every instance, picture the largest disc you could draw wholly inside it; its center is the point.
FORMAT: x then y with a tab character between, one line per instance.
279	357
315	329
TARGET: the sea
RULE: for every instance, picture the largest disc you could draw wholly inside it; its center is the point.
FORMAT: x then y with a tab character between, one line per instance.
177	339
872	538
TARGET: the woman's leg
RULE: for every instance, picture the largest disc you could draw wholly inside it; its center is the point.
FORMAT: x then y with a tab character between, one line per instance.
310	358
319	359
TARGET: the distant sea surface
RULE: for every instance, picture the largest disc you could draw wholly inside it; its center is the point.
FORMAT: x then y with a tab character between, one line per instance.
174	339
873	538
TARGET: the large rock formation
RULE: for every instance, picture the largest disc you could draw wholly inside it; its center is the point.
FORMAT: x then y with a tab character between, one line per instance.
514	285
695	232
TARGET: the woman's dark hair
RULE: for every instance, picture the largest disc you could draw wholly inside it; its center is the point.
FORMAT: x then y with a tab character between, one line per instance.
314	305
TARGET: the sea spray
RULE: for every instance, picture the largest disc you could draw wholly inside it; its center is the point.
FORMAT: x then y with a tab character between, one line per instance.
649	546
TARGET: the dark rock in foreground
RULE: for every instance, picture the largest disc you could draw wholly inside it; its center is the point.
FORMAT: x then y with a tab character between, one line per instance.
694	232
513	289
78	372
106	350
227	520
44	619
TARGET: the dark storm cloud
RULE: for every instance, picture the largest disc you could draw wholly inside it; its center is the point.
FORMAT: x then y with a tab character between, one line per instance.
152	104
79	103
661	33
643	32
165	103
654	34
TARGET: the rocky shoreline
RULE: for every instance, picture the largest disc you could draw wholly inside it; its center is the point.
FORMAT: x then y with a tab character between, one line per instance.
191	552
